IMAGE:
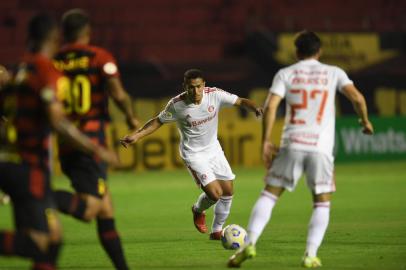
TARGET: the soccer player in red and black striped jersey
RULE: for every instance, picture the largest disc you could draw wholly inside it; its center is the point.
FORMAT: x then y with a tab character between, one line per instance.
91	78
31	111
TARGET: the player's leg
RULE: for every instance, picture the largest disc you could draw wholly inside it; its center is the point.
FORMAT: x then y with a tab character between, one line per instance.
15	182
222	208
205	179
81	206
49	242
284	174
38	231
108	234
320	179
42	219
317	228
87	178
211	194
260	216
262	211
222	171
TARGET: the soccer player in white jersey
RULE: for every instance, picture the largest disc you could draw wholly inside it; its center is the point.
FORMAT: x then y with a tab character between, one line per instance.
196	113
309	88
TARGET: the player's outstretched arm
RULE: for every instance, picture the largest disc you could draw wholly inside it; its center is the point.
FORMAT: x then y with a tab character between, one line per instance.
123	101
360	107
66	129
268	149
151	126
250	105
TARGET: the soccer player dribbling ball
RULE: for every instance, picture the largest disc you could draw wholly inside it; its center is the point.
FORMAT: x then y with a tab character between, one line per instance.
309	88
195	112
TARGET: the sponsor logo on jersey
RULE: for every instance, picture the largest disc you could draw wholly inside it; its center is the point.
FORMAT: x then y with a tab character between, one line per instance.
195	123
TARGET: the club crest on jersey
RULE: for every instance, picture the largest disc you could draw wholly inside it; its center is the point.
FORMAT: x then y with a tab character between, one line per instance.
167	115
210	108
203	176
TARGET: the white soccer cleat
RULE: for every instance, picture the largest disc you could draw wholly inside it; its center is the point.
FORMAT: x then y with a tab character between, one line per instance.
311	262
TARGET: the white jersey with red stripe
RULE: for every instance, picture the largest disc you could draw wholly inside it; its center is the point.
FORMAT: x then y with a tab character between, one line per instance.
309	88
197	123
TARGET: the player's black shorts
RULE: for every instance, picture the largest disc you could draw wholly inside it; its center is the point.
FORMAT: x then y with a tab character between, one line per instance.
85	173
30	192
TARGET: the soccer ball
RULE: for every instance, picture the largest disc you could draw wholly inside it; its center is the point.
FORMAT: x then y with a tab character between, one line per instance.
233	236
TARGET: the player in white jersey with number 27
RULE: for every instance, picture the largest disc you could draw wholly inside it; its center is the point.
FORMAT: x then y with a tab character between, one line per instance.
309	88
196	113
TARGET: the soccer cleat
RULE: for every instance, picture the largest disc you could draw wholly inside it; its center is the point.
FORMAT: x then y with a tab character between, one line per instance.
244	253
311	262
215	235
199	219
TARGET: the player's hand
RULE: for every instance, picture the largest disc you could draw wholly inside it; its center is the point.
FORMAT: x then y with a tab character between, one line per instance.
133	123
259	111
128	140
107	156
4	76
367	127
268	153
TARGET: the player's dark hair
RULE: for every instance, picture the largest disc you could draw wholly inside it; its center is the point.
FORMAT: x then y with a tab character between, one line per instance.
307	44
73	21
39	28
192	74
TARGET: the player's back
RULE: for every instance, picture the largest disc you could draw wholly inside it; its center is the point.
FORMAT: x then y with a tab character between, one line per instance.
309	88
86	69
84	94
24	135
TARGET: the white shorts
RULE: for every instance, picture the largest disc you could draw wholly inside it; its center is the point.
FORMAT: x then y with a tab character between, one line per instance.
208	168
289	165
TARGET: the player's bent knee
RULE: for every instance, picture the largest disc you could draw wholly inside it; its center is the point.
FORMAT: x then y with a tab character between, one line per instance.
215	196
93	208
228	192
41	240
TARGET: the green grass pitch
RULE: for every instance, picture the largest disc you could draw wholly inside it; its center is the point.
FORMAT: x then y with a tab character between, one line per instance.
367	226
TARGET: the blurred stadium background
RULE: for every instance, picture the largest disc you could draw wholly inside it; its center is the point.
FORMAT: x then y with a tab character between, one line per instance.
240	45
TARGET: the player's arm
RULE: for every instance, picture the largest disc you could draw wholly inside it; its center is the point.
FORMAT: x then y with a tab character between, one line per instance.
151	126
123	101
360	107
248	104
271	106
65	128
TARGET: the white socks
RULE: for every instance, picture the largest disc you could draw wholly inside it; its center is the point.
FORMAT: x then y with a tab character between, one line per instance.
260	215
203	203
221	212
317	227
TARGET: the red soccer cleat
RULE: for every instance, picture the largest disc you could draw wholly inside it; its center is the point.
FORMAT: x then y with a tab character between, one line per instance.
199	219
215	235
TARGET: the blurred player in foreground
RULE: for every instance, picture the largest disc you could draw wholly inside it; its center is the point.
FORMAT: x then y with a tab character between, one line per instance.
31	110
196	113
91	76
309	88
4	79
